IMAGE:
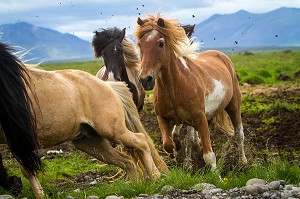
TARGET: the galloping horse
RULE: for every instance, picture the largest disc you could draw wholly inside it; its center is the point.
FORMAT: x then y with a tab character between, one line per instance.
40	109
122	62
190	88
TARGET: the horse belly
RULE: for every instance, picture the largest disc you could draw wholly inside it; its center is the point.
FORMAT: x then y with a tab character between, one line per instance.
217	99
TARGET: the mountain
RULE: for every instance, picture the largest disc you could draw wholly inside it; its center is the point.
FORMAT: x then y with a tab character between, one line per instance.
45	44
280	27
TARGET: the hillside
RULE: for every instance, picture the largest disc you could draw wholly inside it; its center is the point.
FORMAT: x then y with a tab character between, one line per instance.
280	27
45	44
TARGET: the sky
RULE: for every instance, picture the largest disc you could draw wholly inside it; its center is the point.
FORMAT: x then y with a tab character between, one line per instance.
82	17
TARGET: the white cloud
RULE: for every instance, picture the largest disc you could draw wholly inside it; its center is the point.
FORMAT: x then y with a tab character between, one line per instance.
82	17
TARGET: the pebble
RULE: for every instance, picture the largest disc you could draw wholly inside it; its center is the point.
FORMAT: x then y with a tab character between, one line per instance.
254	189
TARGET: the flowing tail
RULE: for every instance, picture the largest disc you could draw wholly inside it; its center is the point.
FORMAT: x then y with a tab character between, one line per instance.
16	114
223	123
134	123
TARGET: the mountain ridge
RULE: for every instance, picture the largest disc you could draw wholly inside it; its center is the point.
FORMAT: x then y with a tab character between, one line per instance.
242	29
279	27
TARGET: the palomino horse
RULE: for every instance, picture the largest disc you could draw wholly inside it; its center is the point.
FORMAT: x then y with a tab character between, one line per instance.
190	88
122	62
45	108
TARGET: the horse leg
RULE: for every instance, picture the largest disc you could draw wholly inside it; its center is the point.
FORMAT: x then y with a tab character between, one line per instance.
233	110
9	183
204	135
101	149
138	141
166	128
35	184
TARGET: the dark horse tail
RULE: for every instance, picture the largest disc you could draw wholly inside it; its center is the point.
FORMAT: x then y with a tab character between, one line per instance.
17	117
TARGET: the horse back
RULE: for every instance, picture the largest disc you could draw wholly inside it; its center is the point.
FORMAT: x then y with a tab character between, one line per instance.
66	99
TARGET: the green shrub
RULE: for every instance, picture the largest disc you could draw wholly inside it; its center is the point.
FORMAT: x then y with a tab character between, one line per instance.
254	79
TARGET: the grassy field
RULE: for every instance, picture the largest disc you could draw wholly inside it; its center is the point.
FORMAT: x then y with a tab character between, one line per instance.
67	172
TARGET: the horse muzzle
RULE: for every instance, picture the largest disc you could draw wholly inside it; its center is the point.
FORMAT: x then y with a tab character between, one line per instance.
148	82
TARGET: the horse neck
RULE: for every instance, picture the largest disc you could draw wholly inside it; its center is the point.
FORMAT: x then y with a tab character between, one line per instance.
131	86
170	74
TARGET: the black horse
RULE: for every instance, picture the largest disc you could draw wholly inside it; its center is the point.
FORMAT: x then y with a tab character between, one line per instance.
121	59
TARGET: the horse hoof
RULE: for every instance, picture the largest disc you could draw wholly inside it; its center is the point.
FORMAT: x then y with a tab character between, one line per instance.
15	185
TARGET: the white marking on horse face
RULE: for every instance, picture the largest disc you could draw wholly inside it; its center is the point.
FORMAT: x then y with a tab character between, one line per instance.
183	61
214	99
115	48
110	76
152	35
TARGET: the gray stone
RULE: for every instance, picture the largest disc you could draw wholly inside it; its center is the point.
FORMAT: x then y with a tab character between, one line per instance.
114	197
92	197
256	181
274	185
6	197
94	182
166	189
252	190
69	197
203	186
266	195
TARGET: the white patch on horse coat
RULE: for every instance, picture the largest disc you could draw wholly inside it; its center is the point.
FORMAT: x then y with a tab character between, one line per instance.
183	61
210	158
152	35
214	99
110	76
115	48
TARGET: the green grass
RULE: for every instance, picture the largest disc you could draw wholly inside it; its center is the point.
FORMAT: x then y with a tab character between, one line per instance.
91	66
58	179
266	67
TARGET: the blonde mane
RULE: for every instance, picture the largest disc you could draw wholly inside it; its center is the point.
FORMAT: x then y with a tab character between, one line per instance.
174	33
131	56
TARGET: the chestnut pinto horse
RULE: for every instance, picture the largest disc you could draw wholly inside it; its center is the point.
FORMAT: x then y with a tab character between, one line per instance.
190	88
40	109
122	62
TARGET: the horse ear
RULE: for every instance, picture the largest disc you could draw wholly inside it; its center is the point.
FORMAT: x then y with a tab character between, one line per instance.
161	22
140	21
122	34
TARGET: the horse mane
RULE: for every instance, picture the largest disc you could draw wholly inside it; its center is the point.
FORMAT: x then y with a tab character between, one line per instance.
131	56
174	33
102	38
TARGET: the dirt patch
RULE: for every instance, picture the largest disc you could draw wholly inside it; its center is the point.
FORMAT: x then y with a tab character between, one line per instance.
272	133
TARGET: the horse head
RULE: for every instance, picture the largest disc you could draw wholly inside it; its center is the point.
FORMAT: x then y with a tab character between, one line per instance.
108	45
156	40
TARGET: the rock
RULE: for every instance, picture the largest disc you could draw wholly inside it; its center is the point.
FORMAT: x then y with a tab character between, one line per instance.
274	185
114	197
92	197
256	181
252	190
166	189
94	182
203	186
6	197
69	197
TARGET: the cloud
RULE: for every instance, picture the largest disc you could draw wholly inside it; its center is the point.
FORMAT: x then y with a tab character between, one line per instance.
82	17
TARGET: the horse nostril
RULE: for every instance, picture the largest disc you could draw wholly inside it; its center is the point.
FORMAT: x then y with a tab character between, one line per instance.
149	79
118	79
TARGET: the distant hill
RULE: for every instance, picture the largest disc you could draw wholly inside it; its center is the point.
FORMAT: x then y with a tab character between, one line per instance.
45	44
277	28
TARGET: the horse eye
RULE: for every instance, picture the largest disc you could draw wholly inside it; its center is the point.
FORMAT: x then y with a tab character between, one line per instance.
161	45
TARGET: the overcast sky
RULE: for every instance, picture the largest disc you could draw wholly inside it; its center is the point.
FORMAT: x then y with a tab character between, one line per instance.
81	17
